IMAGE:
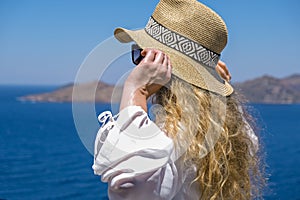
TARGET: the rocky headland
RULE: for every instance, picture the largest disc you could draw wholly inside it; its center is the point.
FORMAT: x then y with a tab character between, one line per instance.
265	89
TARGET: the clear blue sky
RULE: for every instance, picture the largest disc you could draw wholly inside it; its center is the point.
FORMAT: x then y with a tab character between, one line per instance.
45	42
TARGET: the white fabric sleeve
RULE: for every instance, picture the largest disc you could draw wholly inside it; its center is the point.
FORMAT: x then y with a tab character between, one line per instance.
134	156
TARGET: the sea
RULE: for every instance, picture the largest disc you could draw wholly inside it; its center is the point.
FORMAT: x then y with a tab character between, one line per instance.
43	157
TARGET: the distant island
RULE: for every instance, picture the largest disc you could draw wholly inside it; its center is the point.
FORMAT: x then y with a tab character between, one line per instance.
265	89
85	92
270	90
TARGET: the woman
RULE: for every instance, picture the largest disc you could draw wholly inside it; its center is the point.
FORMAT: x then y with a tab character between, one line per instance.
201	145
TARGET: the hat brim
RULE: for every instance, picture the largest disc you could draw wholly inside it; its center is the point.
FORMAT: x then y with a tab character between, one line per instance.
182	66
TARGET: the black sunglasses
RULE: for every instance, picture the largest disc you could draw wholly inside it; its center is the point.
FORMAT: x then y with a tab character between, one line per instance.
136	54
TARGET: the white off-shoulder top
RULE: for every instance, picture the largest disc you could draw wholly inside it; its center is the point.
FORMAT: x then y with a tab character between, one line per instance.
137	160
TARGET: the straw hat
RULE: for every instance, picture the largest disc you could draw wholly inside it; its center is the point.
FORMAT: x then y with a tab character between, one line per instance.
192	35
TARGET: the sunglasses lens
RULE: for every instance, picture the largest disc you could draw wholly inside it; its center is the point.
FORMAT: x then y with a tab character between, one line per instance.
136	54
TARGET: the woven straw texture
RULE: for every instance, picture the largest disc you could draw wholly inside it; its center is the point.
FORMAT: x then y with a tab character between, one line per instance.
196	22
193	20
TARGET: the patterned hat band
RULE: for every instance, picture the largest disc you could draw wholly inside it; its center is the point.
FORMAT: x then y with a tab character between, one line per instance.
182	44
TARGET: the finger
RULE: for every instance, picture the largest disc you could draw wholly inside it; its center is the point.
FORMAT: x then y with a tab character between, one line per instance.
224	74
224	67
169	71
229	77
165	62
149	55
159	57
221	63
221	72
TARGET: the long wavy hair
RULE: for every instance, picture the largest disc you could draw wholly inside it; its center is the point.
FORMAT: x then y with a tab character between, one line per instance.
215	133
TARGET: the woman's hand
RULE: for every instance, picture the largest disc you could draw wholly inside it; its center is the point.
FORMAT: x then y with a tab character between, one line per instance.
147	77
152	72
222	69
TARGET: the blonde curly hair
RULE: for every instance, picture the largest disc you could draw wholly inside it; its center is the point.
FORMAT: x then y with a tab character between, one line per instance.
215	130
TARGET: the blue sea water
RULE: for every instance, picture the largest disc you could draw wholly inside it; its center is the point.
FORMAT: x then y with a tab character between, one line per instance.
42	156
